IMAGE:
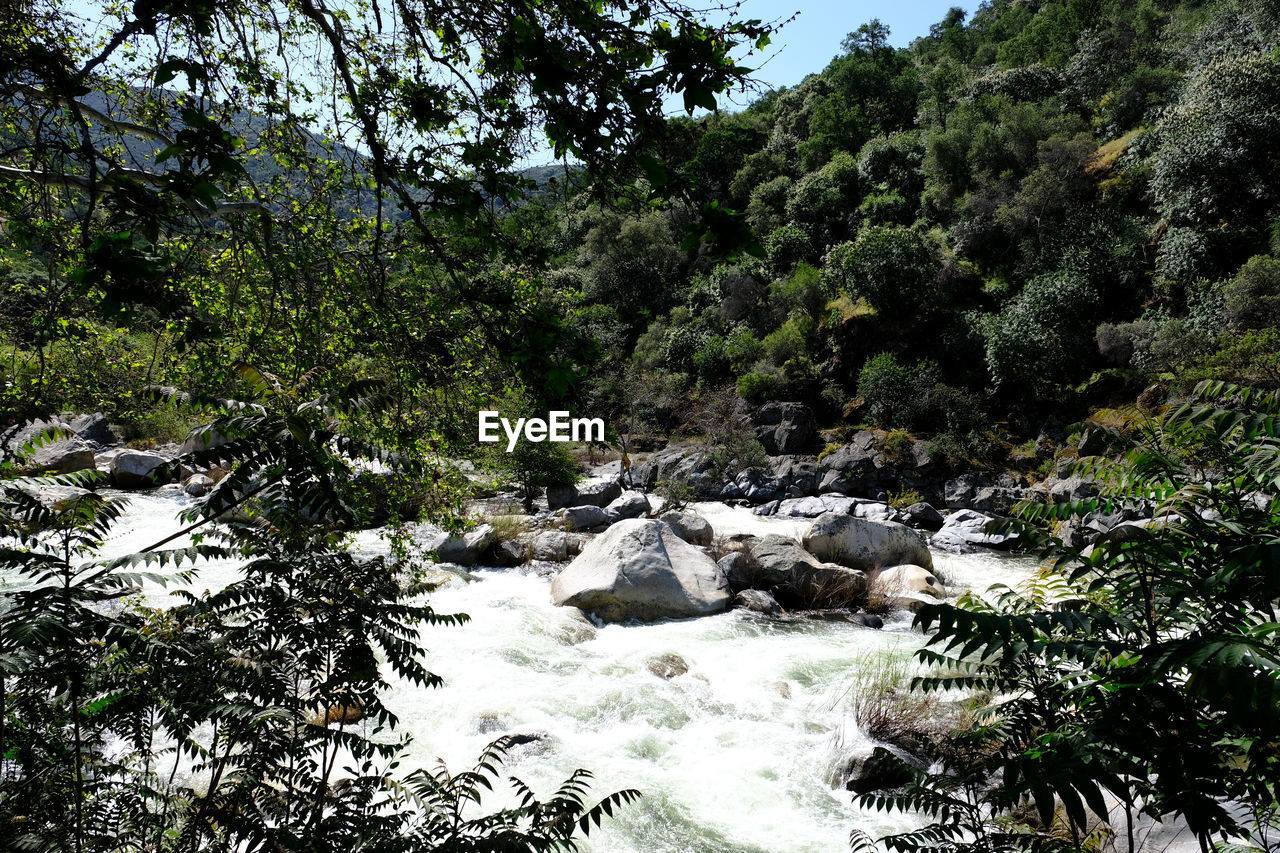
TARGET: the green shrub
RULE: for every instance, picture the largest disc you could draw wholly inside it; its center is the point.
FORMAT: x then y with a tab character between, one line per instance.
790	341
758	386
896	394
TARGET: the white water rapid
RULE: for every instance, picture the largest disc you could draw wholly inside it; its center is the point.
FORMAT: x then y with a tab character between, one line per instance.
734	755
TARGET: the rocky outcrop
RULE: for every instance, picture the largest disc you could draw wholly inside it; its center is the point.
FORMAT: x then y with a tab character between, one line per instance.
861	543
640	569
986	494
690	527
783	428
861	468
965	531
137	469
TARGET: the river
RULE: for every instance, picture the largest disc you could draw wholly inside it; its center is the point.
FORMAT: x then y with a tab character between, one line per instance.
736	754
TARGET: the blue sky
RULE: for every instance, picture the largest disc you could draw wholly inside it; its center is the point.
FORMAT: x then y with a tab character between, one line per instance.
812	39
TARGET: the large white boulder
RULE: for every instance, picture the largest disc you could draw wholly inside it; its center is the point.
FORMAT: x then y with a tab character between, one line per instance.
640	569
863	543
136	469
896	580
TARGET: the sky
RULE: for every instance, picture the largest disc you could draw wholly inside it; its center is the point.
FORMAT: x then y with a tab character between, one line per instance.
809	42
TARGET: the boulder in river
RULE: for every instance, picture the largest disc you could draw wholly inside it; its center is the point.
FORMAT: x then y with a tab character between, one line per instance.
588	518
897	580
965	531
465	549
881	770
640	569
757	601
811	507
778	559
801	580
690	527
594	493
861	543
668	666
924	516
136	469
629	504
739	569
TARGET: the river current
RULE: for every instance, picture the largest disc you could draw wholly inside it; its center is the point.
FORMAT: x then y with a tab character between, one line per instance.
736	754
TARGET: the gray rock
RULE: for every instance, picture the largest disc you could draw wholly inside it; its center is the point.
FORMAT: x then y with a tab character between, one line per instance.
881	770
668	666
559	497
757	601
197	485
783	427
551	546
640	569
57	497
1072	490
924	516
61	457
203	438
739	569
876	511
801	580
964	531
972	491
861	543
797	476
690	527
589	518
136	469
814	507
629	504
779	560
507	552
593	493
466	549
94	430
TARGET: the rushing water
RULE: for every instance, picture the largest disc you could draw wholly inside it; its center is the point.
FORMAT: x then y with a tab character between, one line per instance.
734	755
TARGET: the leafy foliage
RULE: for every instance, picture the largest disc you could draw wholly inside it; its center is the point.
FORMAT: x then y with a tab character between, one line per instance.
1142	672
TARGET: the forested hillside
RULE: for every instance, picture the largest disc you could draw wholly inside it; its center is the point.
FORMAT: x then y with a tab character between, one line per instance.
1050	207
